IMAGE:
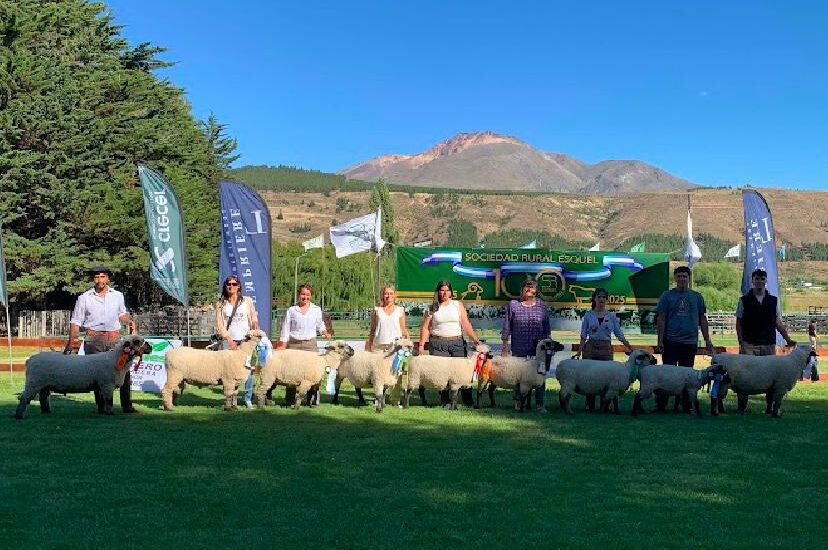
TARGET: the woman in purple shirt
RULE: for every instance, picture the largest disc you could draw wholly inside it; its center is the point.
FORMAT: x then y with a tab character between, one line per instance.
526	323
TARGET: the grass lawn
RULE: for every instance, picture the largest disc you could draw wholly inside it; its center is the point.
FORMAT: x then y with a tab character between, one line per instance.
348	477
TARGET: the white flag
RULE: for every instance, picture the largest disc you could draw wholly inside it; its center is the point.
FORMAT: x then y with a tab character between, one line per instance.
596	248
733	252
316	242
358	235
533	244
691	251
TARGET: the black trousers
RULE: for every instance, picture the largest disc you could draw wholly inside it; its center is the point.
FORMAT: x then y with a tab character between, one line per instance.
92	346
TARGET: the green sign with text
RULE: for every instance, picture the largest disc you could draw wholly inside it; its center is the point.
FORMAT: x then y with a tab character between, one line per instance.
565	278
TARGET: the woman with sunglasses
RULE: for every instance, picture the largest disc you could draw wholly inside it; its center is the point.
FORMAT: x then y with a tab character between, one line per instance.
235	317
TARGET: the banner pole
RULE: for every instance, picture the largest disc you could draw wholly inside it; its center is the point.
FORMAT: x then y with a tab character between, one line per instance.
189	343
8	332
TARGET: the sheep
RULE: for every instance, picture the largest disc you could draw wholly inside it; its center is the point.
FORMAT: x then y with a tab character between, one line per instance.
609	379
773	375
203	367
444	373
304	369
672	380
100	373
519	372
372	367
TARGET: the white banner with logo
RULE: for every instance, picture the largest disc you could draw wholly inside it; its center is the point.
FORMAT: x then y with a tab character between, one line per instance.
152	374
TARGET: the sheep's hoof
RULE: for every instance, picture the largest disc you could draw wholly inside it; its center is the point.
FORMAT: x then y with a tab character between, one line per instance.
131	410
17	416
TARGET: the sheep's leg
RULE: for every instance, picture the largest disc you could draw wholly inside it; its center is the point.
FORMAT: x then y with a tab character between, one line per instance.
604	402
492	395
477	401
358	391
99	400
776	407
379	397
303	388
45	407
421	391
636	408
528	399
769	402
694	404
616	410
174	380
566	405
313	396
590	402
337	384
229	394
741	400
25	398
454	395
107	393
407	398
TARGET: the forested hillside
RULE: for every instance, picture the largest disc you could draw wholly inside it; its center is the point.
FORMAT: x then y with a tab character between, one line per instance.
79	108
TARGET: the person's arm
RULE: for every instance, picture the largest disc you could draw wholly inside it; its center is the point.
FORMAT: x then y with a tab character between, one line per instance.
252	314
780	326
284	334
661	327
584	332
221	327
424	329
75	322
369	344
506	331
321	327
124	317
705	329
403	327
466	325
616	329
739	339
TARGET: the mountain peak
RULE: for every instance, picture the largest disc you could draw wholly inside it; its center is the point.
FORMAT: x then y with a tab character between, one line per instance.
488	160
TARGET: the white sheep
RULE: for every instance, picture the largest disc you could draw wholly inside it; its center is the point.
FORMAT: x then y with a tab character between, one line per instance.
608	379
520	373
300	368
672	380
772	375
444	373
372	367
203	367
101	373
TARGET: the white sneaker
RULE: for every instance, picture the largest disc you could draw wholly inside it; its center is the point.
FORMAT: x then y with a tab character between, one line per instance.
249	405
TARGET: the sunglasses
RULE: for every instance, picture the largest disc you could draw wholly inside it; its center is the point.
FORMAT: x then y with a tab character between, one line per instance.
232	284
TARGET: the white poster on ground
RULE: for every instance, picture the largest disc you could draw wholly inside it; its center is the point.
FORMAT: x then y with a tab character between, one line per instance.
152	374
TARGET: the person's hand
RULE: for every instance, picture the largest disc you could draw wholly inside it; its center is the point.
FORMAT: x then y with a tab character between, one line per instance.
627	347
710	349
231	344
790	343
421	348
659	348
504	350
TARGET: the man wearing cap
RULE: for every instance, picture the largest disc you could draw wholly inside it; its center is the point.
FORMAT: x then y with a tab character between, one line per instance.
758	317
101	310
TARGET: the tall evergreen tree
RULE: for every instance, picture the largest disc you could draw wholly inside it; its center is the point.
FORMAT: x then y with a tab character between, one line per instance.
223	146
381	197
79	109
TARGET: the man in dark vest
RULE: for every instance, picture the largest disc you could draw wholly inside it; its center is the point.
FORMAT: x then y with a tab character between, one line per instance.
758	317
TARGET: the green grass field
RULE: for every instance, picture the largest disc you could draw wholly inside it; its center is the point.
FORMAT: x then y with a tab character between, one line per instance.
348	477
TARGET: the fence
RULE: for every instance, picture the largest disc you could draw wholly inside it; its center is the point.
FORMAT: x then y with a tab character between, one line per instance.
172	321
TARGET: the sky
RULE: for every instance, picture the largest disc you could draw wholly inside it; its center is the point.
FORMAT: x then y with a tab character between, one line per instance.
719	93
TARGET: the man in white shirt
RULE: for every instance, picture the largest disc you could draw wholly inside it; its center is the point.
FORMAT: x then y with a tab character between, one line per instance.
100	311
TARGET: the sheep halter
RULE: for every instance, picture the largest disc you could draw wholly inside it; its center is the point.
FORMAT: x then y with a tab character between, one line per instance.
481	367
123	357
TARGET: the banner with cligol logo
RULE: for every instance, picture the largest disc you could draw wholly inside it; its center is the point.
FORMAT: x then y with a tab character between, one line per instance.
165	231
245	245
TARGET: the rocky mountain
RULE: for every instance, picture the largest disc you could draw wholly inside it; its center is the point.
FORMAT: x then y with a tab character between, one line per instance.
486	160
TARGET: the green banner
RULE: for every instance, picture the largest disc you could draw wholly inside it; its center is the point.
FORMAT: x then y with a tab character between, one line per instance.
165	229
565	279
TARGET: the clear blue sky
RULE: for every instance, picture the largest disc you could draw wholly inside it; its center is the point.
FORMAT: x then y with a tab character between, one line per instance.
718	92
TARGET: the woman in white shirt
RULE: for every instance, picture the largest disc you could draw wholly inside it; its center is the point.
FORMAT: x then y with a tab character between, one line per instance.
443	326
302	323
387	321
235	317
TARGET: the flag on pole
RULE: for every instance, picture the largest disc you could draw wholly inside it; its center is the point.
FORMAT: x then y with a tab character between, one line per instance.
358	235
760	245
638	248
691	251
246	245
316	242
4	294
734	251
165	230
595	248
532	244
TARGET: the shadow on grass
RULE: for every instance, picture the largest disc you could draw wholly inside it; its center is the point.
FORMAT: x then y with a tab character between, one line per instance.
349	477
